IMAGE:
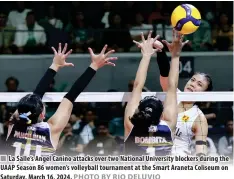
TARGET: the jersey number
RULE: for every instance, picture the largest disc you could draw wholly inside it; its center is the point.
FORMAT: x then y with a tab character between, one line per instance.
18	147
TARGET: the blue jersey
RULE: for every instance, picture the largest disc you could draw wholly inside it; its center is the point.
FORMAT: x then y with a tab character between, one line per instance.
157	141
30	140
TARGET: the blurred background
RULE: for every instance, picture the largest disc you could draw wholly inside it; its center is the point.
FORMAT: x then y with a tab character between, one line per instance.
29	29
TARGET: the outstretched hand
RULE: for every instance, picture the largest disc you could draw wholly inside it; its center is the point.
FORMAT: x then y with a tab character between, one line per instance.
147	45
177	44
101	59
60	57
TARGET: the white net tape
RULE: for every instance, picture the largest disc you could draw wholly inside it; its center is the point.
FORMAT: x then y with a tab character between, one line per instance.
124	96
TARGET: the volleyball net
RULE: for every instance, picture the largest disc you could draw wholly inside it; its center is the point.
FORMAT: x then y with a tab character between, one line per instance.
112	117
124	96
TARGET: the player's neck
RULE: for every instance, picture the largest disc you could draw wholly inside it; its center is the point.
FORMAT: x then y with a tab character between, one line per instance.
186	105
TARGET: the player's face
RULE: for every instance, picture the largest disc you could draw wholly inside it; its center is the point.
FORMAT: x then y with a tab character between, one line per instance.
197	83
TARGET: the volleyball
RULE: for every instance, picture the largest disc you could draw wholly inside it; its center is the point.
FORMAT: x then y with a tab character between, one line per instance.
185	19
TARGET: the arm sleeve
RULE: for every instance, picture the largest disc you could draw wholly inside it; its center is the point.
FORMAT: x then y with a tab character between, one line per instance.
80	84
44	83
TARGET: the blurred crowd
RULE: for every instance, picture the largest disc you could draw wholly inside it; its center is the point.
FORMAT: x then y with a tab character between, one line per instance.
33	27
98	128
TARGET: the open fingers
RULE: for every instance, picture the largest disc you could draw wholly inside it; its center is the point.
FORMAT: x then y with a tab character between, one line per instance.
137	43
110	52
111	58
110	63
174	33
156	38
107	61
149	36
55	52
166	43
90	51
69	64
68	53
181	37
158	50
64	48
142	37
104	49
184	43
59	48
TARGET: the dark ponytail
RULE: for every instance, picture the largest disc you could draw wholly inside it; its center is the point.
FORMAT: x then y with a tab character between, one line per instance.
141	121
29	109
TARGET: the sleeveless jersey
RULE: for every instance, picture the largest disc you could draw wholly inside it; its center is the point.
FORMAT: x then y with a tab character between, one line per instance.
35	140
156	142
184	133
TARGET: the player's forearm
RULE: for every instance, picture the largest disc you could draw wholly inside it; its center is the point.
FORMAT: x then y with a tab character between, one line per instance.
45	81
163	63
81	84
174	74
142	72
164	68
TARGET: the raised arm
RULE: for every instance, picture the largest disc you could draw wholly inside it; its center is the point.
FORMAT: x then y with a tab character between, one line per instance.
61	117
170	103
59	61
164	67
147	51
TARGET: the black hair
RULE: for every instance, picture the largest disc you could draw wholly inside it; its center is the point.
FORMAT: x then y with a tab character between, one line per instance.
12	79
32	105
208	79
149	112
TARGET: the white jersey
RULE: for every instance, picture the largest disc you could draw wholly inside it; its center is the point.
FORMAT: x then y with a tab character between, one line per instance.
184	134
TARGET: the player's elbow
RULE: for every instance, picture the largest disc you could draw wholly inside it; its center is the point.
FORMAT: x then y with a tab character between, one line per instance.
172	88
138	85
173	84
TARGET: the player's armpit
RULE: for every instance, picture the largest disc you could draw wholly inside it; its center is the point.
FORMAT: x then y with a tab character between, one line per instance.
59	120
